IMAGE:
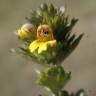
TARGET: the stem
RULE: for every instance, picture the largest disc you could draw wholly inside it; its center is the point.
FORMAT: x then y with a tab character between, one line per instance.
59	93
56	93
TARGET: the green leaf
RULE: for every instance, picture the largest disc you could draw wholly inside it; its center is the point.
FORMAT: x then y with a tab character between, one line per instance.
54	78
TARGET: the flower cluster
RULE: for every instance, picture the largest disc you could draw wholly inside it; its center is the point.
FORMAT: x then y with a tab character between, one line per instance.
44	38
48	35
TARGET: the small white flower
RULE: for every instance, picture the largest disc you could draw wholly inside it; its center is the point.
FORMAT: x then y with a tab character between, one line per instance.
62	9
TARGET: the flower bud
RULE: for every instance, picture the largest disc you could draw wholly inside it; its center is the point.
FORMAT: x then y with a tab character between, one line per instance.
25	31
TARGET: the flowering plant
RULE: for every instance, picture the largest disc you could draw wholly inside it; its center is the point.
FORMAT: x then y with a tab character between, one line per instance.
48	40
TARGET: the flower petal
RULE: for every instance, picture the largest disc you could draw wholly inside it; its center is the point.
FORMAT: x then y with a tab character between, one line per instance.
52	42
33	46
42	47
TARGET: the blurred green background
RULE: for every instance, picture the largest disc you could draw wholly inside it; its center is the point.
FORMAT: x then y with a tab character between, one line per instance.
17	76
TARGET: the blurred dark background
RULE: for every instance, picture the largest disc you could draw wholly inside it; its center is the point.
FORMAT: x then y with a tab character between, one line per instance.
17	76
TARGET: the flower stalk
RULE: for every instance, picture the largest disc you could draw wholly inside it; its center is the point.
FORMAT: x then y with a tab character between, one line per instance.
48	41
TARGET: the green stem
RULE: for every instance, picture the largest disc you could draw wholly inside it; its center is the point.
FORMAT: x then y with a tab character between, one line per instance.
56	93
59	93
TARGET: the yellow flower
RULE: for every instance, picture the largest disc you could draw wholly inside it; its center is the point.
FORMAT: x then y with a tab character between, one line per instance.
41	46
44	38
23	33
